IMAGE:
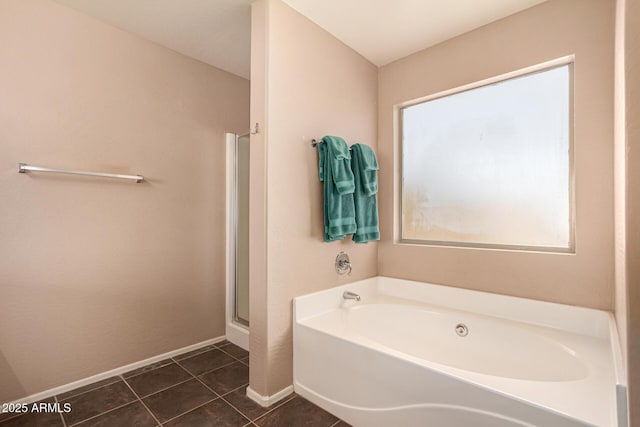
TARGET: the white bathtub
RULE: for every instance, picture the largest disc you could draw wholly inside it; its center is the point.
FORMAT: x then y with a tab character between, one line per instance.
395	358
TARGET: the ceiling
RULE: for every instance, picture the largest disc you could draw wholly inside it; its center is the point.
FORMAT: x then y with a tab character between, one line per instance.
217	32
385	30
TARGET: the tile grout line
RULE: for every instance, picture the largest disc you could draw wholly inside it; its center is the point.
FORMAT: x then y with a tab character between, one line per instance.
15	415
138	398
87	391
64	423
190	410
237	358
200	381
233	406
141	402
212	391
118	377
215	348
205	372
172	361
282	402
237	388
219	367
176	384
144	372
163	389
278	405
199	352
121	377
102	413
217	396
195	353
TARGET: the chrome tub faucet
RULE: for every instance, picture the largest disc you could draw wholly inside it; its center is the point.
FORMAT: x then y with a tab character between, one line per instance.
351	295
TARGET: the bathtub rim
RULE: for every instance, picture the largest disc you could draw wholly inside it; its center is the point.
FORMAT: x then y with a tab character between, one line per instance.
581	320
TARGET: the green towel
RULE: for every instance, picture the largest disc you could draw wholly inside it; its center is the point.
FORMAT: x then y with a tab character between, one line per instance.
365	167
335	171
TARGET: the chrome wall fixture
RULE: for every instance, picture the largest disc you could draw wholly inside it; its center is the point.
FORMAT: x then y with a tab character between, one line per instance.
350	295
24	168
343	264
316	142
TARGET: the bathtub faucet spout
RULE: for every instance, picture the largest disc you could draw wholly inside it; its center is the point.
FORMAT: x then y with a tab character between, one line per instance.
351	295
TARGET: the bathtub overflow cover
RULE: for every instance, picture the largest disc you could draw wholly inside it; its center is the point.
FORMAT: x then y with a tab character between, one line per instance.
462	330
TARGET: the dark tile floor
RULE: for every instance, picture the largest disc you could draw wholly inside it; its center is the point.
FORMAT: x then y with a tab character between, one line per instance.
206	387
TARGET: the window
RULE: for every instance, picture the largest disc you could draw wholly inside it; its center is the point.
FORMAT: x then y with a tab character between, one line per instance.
491	166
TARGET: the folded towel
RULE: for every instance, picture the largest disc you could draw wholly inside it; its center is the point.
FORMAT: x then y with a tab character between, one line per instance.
335	171
365	166
340	164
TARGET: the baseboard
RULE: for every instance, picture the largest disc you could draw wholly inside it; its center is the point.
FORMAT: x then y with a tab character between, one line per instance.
113	372
266	401
238	335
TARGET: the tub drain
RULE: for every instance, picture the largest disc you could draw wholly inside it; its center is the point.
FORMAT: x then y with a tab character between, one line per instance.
462	330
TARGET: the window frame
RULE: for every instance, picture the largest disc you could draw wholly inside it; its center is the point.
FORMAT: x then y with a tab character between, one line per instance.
398	133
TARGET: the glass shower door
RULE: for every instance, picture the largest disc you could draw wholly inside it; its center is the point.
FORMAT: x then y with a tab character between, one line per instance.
241	307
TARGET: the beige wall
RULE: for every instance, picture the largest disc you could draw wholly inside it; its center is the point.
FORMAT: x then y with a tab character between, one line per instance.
94	273
313	85
632	65
258	310
551	30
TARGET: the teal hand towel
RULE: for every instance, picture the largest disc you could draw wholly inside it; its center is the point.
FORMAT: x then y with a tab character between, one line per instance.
335	171
340	158
365	167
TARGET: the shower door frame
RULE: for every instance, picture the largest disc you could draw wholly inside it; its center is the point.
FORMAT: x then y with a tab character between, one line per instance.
236	332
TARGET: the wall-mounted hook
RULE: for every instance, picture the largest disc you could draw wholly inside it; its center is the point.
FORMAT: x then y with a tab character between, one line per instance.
255	129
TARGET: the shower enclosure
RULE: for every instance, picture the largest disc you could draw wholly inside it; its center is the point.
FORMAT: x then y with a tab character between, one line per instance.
238	238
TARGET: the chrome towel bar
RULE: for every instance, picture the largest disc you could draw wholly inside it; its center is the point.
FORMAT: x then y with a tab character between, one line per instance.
316	142
24	168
